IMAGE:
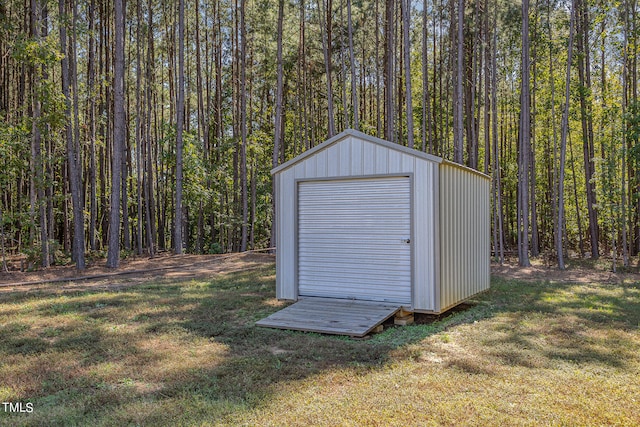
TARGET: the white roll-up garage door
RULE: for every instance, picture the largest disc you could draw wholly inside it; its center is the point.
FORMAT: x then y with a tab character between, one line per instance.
354	239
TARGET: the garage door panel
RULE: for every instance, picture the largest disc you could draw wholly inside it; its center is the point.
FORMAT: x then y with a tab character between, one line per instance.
357	272
352	239
373	293
337	257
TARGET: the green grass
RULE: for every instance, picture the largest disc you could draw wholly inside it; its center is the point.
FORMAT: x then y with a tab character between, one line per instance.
188	353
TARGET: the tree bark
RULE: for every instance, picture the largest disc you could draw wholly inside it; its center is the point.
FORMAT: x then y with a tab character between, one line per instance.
587	122
458	114
139	97
496	151
148	187
37	162
243	125
406	18
389	66
352	61
113	255
91	75
625	101
3	243
525	146
278	119
325	28
178	227
73	156
563	144
427	138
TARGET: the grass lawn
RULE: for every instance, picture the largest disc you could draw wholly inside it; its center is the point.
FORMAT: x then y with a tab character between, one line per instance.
187	353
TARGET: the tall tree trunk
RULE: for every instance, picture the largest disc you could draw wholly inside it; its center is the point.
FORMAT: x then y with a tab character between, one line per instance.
178	237
496	151
377	65
625	101
437	60
73	68
563	144
406	18
427	137
557	230
148	188
3	243
252	210
37	161
243	125
325	12
587	122
203	123
304	81
277	140
389	66
575	198
634	138
525	145
73	156
343	74
113	255
352	61
487	83
91	75
535	241
139	88
458	115
470	92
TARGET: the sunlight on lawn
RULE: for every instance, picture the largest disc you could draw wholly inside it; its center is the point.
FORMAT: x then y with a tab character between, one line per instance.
188	353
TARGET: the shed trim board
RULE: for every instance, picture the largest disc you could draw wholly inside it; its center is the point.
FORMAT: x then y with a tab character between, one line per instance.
359	279
437	282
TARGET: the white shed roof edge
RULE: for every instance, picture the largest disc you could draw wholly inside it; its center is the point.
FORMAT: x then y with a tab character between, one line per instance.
363	136
465	168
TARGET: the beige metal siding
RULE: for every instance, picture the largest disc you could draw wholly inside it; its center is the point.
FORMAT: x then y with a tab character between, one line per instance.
464	234
353	154
425	218
285	238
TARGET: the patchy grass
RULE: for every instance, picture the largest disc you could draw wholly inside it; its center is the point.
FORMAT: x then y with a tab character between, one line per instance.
188	353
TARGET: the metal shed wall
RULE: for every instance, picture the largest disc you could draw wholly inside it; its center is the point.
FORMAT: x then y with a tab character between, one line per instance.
354	154
464	234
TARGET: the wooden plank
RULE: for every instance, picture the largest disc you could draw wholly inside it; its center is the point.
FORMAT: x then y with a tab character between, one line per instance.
331	316
403	321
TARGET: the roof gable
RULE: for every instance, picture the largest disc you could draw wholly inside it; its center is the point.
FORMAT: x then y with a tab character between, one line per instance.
354	133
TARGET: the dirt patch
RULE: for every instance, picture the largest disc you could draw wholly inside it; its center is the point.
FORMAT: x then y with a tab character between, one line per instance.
132	271
136	270
574	274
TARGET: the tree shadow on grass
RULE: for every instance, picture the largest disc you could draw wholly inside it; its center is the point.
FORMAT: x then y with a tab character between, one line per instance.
544	324
179	353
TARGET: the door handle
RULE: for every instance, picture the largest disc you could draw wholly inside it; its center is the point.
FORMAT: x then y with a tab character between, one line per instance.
406	240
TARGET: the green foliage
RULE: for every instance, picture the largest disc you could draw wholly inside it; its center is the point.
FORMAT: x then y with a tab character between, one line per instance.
212	176
632	127
42	52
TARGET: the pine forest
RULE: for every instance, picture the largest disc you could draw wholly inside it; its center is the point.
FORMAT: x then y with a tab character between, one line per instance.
148	126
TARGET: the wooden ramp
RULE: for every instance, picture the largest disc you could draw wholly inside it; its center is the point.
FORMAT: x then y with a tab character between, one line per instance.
331	316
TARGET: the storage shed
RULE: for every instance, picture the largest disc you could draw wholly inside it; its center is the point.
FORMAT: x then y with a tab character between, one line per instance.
361	218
